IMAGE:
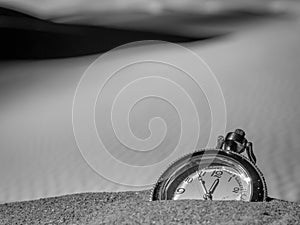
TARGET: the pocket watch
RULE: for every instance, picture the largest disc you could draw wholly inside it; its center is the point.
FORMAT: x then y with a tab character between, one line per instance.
227	172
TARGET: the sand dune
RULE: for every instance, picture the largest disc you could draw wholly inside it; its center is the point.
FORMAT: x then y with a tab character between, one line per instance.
257	69
134	208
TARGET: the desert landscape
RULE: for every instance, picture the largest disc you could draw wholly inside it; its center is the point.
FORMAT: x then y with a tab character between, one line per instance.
257	70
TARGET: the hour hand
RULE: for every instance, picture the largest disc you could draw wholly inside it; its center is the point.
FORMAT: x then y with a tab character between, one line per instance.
213	186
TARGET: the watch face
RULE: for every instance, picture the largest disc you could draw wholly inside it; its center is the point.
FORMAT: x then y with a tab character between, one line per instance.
211	175
215	183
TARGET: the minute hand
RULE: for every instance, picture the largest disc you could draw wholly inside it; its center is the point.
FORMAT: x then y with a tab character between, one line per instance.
213	186
202	184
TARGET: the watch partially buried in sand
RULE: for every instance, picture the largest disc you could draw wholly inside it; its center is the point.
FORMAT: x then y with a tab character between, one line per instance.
223	173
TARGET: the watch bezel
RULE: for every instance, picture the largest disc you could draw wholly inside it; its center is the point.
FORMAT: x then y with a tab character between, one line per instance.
163	189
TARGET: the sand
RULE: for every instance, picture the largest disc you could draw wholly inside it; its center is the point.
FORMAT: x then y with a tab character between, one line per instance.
135	208
258	71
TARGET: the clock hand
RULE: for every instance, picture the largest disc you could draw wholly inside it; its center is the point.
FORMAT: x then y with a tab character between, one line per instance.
206	194
213	186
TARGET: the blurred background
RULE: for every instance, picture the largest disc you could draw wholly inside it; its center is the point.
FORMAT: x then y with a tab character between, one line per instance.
48	46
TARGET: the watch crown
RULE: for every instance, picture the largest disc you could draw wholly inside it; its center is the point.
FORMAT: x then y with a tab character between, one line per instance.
235	141
240	132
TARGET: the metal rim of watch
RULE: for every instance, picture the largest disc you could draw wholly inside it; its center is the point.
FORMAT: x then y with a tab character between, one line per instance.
259	186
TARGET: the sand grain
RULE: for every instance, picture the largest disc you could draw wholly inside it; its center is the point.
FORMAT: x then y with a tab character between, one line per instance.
134	208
